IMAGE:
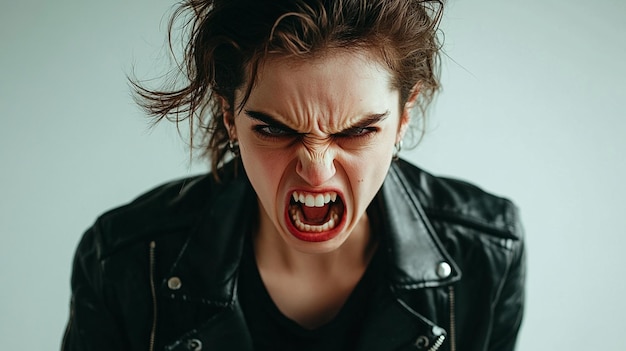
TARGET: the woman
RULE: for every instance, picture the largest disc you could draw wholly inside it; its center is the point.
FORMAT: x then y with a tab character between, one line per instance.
310	234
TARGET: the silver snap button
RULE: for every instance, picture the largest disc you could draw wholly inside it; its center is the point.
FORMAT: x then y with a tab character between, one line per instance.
437	331
194	345
422	342
444	270
174	283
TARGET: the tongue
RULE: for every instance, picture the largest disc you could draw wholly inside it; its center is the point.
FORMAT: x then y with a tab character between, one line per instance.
315	215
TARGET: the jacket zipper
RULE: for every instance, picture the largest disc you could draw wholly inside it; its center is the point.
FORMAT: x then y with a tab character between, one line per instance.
154	298
452	320
442	338
438	343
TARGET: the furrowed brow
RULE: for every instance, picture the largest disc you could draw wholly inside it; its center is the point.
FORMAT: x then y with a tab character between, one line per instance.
368	121
267	119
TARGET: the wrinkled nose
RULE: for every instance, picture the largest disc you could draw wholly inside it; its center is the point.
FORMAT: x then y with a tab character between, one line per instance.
316	169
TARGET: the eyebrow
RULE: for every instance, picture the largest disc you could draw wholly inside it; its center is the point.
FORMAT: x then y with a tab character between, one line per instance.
269	120
367	121
363	123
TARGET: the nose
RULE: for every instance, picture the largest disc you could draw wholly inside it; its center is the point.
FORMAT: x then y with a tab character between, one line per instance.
316	167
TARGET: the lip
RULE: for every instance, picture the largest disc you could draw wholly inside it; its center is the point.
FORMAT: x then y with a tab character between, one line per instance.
319	236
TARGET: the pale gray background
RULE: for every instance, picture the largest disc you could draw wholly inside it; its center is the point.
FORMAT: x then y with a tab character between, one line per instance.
533	108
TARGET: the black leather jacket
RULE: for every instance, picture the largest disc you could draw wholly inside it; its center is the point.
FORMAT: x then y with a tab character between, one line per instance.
161	272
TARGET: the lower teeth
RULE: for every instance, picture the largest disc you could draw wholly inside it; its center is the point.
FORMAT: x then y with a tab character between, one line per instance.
332	223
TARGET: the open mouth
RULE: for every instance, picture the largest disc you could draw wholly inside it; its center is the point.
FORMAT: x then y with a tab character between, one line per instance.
312	213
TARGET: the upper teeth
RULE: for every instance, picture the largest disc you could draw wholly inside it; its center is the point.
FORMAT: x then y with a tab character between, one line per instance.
314	200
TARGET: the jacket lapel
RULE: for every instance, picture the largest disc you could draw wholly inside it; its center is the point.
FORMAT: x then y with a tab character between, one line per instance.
414	255
210	259
207	266
414	250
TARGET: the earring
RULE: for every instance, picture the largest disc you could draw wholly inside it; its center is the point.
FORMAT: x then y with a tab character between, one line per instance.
233	147
396	152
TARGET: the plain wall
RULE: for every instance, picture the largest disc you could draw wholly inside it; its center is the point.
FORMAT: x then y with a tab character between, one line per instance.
532	108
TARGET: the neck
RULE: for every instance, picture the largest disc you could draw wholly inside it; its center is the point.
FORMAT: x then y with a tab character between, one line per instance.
311	288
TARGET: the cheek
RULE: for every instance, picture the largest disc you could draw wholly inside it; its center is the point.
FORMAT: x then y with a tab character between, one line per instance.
265	169
367	169
371	160
258	166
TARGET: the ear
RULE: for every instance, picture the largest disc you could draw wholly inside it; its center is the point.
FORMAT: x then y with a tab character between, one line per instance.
405	116
228	118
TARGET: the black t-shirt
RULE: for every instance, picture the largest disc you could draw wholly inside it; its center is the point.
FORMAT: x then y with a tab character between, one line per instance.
271	330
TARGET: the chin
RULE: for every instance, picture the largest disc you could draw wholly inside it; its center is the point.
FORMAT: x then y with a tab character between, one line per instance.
315	247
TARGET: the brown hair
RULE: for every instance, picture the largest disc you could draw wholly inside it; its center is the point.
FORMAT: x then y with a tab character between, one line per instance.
227	40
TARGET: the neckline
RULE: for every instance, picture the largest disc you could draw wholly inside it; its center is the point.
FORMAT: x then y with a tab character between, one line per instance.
357	297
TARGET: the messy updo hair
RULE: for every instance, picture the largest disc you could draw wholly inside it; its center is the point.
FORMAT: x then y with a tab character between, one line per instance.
225	41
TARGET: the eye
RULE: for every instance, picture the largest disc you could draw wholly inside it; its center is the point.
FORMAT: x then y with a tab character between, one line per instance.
271	131
357	132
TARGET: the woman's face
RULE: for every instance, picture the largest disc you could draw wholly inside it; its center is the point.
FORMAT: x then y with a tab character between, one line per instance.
316	138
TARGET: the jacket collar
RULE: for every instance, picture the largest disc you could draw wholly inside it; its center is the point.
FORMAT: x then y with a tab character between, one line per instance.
210	258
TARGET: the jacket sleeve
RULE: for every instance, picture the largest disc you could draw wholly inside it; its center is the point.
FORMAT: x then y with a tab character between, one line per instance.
91	324
509	307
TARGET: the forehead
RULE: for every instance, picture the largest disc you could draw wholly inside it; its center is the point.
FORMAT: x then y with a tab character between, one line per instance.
333	88
331	65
